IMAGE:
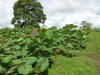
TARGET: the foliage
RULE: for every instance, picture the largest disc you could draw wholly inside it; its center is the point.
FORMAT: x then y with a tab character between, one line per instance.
79	65
96	29
20	54
28	12
86	26
15	56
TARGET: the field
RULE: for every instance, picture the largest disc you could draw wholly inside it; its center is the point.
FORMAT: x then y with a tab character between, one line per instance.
31	48
86	63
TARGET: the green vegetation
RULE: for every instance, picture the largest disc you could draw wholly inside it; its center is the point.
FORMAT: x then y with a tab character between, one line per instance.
29	49
94	49
96	29
79	65
28	13
88	60
86	26
18	51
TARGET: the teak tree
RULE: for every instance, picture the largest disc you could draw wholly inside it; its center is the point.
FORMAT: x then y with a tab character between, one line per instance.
28	13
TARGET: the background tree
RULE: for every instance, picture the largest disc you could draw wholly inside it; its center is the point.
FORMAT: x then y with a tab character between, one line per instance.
86	26
28	13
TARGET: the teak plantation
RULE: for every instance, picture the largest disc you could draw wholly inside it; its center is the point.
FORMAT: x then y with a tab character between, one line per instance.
29	49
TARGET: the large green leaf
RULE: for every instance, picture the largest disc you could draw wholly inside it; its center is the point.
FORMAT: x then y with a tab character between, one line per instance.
2	69
11	70
16	61
25	69
24	52
43	64
16	47
70	46
42	34
49	34
7	59
30	60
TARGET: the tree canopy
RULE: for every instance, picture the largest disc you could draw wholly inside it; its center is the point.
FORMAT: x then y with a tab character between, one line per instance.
28	13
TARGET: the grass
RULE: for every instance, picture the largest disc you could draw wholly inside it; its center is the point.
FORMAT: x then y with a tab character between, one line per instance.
94	43
86	63
69	66
94	47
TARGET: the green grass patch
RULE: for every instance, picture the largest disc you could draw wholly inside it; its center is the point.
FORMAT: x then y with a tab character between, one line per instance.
72	66
94	43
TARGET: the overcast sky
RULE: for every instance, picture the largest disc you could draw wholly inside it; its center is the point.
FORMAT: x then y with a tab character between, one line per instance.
59	12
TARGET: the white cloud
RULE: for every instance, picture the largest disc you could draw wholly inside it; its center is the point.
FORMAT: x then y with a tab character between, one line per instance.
59	12
72	11
6	12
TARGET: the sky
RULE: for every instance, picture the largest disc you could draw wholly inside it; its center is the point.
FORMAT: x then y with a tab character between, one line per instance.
59	12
